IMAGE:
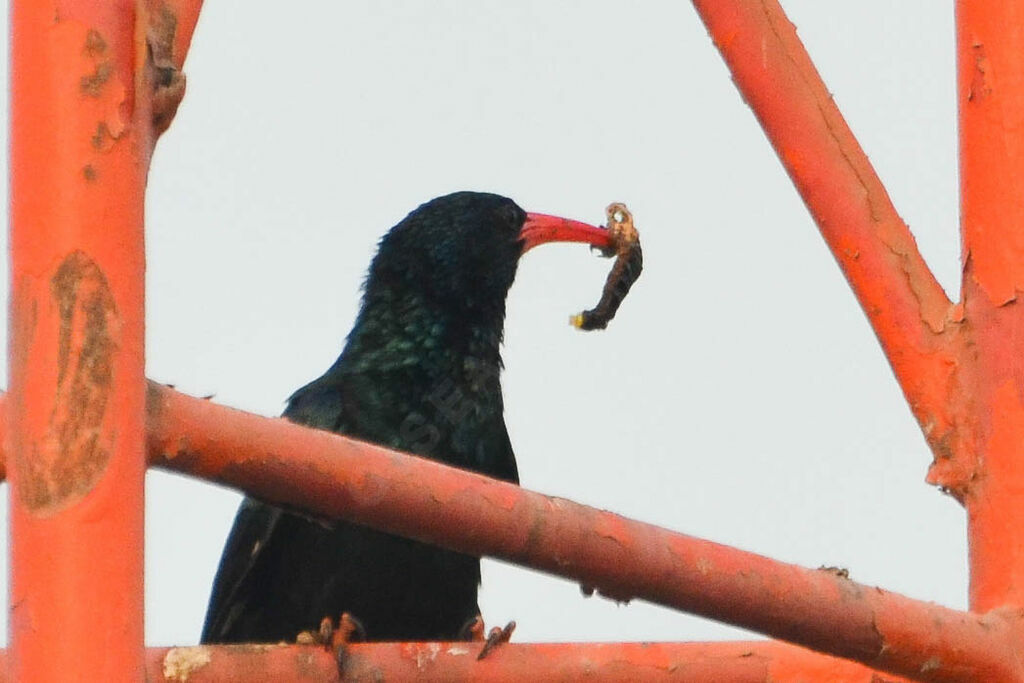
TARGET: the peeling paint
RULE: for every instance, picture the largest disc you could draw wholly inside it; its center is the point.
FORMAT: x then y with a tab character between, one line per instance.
68	462
979	87
838	572
879	646
103	138
96	79
92	84
181	662
426	655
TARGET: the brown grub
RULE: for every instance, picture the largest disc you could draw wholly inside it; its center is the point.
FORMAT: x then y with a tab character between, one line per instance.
69	461
624	244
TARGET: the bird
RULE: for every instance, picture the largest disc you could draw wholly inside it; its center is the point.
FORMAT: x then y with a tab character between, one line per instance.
419	372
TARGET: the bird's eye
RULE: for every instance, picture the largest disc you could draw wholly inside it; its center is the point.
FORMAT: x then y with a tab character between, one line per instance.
509	215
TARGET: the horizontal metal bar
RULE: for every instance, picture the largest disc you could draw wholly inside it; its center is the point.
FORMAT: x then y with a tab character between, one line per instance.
337	477
736	662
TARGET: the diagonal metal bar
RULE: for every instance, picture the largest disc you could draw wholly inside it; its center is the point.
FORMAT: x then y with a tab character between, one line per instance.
917	325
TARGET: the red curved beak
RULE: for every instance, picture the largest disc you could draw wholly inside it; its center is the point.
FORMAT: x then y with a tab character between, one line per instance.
541	228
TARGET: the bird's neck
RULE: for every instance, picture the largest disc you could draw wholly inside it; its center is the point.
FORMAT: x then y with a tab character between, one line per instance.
428	384
405	333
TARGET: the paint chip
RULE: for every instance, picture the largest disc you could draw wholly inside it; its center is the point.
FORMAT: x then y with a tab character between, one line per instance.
181	662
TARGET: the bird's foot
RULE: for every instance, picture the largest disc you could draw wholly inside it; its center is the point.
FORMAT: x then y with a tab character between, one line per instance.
496	637
349	629
474	630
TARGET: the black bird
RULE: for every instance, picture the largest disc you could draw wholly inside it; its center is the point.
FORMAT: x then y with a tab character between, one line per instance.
419	373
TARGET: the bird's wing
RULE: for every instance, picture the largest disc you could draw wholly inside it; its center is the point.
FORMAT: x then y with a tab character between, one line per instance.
510	471
486	448
256	522
254	525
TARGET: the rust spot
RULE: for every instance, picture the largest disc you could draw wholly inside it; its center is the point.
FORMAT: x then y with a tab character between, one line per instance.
69	461
154	401
96	77
95	45
89	172
92	85
25	316
168	81
102	139
979	87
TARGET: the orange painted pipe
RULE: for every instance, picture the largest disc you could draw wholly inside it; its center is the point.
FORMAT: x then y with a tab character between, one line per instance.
86	95
79	150
745	662
338	477
990	92
741	662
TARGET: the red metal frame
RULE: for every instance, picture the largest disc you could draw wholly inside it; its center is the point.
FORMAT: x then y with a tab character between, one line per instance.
76	341
986	394
93	86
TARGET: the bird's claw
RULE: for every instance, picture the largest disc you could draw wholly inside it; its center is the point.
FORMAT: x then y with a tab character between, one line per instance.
350	630
333	638
496	637
473	630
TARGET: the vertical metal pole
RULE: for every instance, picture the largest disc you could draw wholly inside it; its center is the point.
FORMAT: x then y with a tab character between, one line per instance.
990	46
80	142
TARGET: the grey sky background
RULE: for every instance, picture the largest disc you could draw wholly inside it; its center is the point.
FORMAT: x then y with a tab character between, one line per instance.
753	405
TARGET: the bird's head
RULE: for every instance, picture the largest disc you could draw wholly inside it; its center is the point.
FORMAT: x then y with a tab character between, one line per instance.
458	253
